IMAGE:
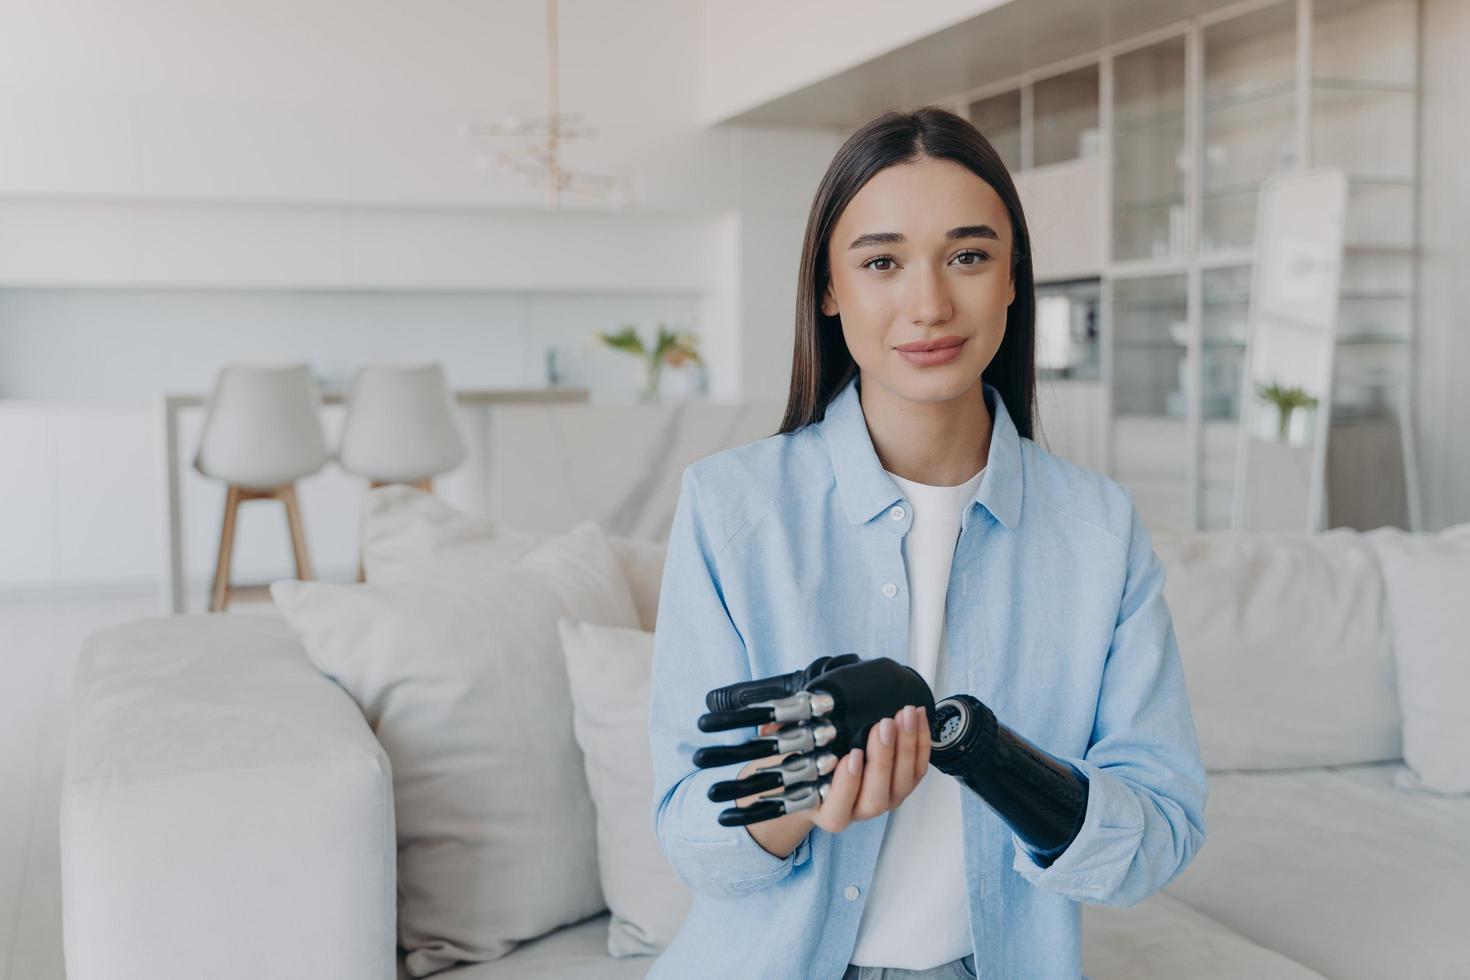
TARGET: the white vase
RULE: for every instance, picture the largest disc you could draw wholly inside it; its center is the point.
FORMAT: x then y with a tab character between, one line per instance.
683	383
643	392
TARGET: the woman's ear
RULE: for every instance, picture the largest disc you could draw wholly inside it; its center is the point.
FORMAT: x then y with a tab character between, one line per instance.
829	300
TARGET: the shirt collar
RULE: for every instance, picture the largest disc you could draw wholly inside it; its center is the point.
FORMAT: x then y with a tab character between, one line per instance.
867	490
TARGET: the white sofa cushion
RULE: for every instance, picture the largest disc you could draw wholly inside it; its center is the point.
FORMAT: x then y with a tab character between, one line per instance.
1428	581
224	811
410	535
576	952
466	688
610	671
1337	869
1286	645
1161	938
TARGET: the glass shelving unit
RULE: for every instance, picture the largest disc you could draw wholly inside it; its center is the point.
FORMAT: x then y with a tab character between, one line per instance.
1199	119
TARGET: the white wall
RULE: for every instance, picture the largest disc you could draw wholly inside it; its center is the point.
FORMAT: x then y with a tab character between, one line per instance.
131	344
290	146
336	100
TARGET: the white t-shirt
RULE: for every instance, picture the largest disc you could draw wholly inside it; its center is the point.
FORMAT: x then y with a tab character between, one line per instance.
918	911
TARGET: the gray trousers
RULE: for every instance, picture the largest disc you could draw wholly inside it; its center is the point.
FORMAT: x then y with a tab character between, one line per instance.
960	969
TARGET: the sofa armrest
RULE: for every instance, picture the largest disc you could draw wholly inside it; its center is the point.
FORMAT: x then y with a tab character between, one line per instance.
226	810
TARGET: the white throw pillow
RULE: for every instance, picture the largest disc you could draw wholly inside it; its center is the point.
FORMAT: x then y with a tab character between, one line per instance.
410	535
642	562
465	686
1286	646
1428	580
610	671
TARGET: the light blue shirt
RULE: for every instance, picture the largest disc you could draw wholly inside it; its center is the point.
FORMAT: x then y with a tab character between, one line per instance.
790	547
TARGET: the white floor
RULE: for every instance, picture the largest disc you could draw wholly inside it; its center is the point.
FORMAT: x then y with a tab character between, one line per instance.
39	640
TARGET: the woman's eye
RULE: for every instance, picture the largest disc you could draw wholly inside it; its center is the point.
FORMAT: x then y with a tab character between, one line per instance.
979	256
880	258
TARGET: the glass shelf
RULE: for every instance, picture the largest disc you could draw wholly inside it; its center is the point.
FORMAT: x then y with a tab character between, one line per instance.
999	120
1064	110
1150	320
1150	203
1149	152
1249	118
1224	322
1157	119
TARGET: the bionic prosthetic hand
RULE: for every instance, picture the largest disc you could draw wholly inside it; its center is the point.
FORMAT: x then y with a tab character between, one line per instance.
827	708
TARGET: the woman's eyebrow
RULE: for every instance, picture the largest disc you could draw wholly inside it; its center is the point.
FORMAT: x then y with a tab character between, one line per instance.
894	238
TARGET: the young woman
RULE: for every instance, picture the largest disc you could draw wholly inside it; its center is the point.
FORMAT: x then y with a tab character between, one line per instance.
904	511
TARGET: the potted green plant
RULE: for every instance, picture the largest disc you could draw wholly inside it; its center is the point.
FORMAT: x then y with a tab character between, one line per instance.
676	348
1286	400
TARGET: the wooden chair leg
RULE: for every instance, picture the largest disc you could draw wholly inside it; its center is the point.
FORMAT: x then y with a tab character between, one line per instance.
220	596
298	532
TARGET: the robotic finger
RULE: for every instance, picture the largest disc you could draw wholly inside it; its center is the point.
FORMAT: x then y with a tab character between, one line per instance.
801	706
800	737
793	798
793	771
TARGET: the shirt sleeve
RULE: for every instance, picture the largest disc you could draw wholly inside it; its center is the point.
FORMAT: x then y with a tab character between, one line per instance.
697	648
1146	800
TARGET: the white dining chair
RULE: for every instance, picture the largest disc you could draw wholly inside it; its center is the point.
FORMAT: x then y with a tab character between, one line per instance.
262	433
401	427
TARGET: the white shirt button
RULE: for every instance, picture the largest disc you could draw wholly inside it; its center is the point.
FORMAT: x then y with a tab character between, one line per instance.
896	513
851	893
890	590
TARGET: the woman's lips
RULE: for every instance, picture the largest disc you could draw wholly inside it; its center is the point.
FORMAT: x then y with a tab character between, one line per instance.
926	358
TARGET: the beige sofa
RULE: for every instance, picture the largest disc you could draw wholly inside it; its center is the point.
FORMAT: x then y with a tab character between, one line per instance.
227	813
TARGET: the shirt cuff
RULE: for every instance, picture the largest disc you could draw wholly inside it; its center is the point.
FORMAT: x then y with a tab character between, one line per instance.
1098	858
728	858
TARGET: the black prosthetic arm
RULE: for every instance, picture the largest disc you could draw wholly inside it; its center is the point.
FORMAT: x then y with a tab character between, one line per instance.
1041	797
828	708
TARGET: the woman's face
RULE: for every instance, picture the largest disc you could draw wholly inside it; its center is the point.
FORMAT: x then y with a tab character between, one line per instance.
899	277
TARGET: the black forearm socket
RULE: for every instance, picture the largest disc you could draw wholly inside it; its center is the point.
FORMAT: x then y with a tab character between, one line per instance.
1042	798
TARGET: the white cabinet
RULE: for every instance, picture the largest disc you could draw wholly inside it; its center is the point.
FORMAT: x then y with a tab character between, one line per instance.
1064	213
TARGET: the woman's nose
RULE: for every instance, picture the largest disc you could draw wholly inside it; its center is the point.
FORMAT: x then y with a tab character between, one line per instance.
929	301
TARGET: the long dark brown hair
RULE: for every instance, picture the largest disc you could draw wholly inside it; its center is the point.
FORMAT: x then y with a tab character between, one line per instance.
821	363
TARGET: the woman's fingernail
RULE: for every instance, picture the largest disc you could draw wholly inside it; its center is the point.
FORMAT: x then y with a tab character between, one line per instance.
885	731
855	761
907	718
